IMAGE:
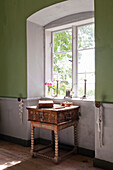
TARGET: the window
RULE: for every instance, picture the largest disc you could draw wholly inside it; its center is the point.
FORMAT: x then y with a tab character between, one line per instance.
73	60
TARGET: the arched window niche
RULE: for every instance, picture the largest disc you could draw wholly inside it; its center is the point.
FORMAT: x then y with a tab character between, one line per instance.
39	25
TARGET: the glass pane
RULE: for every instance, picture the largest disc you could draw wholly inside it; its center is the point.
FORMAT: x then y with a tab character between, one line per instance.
81	78
86	37
86	61
80	85
80	90
90	84
62	71
90	78
90	90
63	41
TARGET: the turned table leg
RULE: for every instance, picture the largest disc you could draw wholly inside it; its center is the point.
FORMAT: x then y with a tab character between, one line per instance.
32	140
56	147
75	138
52	137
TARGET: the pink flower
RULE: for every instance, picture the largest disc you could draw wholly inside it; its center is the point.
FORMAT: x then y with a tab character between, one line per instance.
49	83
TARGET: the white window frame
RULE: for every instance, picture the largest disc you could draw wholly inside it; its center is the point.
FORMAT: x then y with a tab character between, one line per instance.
49	45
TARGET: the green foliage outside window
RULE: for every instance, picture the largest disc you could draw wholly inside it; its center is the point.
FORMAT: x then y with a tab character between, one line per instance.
62	60
86	37
63	41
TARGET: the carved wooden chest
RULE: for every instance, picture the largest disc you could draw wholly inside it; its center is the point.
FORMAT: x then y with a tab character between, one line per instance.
52	115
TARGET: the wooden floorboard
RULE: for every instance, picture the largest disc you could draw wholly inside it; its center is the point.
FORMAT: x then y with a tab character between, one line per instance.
16	157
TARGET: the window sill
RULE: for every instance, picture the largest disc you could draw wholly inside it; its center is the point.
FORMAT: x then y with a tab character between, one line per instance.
70	99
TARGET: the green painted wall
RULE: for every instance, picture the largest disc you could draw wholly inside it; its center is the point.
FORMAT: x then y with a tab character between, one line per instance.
104	50
13	57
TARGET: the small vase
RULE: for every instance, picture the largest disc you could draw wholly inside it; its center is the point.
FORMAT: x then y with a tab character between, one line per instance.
49	91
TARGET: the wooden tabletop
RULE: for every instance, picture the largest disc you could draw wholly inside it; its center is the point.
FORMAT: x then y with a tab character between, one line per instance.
56	108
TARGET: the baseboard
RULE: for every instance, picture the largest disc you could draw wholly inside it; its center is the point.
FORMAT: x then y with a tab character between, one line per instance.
43	141
15	140
86	152
103	164
23	142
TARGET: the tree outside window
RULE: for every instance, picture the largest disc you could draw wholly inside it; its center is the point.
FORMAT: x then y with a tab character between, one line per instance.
62	60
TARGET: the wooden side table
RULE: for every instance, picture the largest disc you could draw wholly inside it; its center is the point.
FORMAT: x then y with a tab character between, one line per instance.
54	120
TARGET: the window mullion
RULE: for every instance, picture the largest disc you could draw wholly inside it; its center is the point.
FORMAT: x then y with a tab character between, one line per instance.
62	52
75	61
52	54
84	49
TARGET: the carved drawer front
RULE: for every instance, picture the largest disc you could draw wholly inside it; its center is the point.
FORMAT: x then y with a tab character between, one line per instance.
42	116
71	115
33	115
61	116
74	114
30	115
68	115
53	117
46	116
